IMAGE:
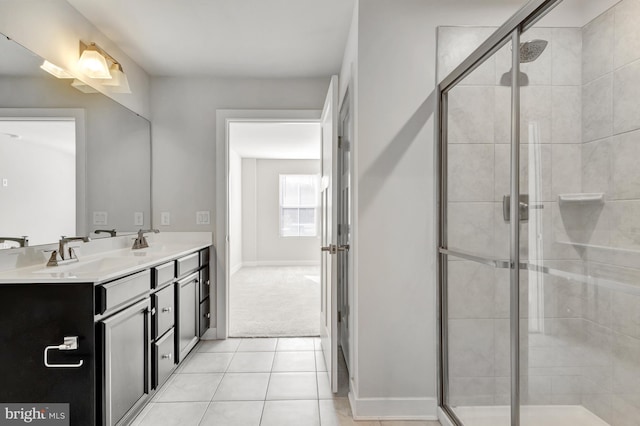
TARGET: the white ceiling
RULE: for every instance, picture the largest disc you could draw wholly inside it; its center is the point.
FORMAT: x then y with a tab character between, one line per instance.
293	141
238	38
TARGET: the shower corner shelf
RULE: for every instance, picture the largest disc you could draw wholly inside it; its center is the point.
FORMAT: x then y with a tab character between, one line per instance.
581	198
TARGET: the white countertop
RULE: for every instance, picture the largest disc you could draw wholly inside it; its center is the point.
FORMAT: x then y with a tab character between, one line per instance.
106	259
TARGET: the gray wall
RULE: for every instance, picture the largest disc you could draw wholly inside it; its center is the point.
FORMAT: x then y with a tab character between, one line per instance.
269	247
184	135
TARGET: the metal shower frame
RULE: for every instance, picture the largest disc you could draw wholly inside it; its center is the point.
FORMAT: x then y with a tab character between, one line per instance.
511	30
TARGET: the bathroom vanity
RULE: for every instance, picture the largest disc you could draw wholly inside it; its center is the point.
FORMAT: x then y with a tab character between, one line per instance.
104	333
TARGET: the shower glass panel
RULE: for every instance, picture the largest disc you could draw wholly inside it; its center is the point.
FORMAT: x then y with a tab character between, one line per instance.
478	247
578	112
580	325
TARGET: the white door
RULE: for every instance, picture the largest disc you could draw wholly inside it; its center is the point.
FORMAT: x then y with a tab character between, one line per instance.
329	225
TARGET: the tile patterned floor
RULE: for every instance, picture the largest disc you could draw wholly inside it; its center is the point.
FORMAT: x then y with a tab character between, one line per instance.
253	382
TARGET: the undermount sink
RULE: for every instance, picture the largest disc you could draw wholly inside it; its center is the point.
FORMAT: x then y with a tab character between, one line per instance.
92	266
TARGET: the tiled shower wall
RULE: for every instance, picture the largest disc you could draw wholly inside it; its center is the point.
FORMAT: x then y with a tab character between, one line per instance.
581	347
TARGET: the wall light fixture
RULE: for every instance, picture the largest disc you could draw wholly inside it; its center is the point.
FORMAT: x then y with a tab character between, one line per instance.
96	63
55	70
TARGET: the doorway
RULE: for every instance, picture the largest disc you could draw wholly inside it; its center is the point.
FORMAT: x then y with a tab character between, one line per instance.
274	228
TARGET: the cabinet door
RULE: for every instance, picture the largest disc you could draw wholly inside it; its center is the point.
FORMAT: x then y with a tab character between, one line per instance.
187	314
126	364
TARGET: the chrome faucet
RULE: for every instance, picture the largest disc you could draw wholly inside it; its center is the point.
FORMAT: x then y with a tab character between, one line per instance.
111	232
141	241
23	242
58	257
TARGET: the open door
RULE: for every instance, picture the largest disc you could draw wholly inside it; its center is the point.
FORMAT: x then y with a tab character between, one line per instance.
329	225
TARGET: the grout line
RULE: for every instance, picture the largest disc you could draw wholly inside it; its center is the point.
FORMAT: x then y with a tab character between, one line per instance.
264	404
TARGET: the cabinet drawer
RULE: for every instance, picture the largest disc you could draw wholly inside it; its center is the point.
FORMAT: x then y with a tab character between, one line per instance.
205	316
163	274
164	302
204	256
187	264
205	283
116	294
164	358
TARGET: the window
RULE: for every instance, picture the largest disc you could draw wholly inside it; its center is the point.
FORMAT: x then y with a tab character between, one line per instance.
298	205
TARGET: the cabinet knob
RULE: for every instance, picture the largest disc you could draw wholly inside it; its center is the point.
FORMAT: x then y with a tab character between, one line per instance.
197	280
208	315
208	282
166	309
167	356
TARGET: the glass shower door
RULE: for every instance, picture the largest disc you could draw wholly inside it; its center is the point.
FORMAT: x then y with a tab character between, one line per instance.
474	257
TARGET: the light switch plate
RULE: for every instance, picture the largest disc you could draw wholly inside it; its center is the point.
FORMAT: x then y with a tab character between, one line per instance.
138	218
165	218
100	218
203	218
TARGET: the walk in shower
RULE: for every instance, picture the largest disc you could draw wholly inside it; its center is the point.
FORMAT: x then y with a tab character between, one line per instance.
539	217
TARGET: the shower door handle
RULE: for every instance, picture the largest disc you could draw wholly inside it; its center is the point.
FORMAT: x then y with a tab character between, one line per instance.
523	209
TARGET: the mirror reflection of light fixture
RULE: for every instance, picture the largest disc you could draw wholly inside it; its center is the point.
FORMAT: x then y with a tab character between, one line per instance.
82	86
93	63
119	82
98	64
55	70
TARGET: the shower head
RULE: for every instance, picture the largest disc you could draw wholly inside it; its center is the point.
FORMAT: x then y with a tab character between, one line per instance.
531	50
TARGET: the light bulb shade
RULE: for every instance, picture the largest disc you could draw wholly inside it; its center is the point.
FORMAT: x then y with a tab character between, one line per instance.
119	82
55	70
93	64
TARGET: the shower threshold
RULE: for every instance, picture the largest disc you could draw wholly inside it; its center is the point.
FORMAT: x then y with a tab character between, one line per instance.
530	415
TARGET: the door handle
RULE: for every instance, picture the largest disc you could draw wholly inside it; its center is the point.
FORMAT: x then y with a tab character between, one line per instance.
333	249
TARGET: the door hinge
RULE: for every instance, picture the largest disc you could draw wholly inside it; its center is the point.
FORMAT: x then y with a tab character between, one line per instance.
339	316
339	141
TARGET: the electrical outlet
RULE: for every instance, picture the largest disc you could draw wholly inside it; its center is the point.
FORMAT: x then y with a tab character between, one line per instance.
5	182
100	218
203	218
138	218
165	218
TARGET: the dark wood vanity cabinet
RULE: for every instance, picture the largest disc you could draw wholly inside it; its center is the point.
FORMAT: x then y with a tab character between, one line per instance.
34	316
131	332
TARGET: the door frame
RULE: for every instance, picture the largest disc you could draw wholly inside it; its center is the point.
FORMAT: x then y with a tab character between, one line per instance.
346	106
221	226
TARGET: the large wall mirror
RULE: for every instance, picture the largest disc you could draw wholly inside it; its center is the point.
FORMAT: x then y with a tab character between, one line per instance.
71	162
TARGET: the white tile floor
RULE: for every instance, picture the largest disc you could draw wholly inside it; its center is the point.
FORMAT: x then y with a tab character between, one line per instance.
253	382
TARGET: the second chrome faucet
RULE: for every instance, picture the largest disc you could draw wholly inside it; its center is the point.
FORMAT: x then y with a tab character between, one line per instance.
141	242
59	257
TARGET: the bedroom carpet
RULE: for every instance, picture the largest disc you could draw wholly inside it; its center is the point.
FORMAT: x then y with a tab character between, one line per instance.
275	301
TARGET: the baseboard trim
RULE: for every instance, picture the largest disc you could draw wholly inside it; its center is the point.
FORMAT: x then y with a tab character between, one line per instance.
278	263
443	418
236	268
210	334
393	408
